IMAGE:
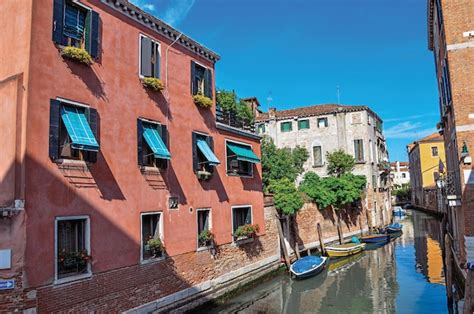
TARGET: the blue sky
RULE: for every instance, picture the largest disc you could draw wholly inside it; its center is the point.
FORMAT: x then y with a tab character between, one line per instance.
299	51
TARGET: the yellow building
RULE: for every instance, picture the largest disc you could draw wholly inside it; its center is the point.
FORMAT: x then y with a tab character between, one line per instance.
427	163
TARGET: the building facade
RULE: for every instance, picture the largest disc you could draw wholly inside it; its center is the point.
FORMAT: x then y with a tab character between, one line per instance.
451	38
325	128
427	169
400	173
112	194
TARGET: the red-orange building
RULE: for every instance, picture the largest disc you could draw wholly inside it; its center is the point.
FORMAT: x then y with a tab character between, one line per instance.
94	164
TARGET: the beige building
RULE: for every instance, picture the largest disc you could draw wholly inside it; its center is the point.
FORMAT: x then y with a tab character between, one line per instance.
400	173
325	128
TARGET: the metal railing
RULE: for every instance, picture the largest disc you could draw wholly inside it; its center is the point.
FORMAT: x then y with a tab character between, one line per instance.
231	119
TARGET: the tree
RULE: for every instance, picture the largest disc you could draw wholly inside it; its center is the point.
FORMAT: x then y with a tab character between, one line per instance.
231	104
227	100
245	113
340	188
287	198
339	163
279	163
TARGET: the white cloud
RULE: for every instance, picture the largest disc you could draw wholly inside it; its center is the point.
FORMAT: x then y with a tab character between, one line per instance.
414	117
147	5
178	11
409	130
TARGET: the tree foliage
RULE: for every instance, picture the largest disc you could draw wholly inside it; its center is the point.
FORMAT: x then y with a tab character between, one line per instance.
288	199
339	163
280	163
230	103
340	188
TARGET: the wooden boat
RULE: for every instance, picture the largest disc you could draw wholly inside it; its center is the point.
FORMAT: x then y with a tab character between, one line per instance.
394	228
375	238
342	250
308	266
398	211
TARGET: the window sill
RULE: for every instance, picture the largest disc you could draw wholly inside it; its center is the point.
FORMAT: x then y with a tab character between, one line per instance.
232	174
360	162
318	166
152	260
72	279
203	248
72	164
242	241
150	170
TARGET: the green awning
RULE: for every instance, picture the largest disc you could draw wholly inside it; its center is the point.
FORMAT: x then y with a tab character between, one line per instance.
207	152
243	152
153	139
78	129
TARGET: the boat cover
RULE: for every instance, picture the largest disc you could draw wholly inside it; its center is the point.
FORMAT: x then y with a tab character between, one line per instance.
306	263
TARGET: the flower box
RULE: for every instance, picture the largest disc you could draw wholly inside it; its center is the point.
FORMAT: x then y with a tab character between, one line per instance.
203	101
153	83
155	247
77	54
203	175
205	238
246	231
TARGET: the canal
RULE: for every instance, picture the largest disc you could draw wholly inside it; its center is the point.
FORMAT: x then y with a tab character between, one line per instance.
403	276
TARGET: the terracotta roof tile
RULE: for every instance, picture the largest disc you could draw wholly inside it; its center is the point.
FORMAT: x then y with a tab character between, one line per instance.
315	110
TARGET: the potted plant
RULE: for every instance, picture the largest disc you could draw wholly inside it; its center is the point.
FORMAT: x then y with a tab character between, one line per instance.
77	54
205	238
203	101
246	231
203	175
154	246
74	260
153	83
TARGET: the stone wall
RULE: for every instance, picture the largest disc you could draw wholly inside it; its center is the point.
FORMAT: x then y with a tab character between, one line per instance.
143	285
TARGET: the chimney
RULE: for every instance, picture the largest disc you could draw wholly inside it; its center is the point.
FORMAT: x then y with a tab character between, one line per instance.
272	113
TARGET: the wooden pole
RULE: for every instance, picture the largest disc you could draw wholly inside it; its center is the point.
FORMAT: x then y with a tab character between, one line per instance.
468	299
321	241
360	225
449	270
282	243
290	220
339	232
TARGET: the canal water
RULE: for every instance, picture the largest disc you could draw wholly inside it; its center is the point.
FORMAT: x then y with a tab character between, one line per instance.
403	276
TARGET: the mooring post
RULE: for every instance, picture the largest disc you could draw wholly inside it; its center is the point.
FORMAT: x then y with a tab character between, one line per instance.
339	232
449	263
321	241
282	242
360	225
468	299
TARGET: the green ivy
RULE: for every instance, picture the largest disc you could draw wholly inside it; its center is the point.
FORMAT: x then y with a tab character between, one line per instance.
288	200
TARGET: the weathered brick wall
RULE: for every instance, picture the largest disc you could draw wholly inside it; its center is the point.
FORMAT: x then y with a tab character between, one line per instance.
132	286
309	216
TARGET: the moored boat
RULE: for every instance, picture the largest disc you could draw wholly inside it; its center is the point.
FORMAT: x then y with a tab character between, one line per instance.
399	211
375	238
342	250
308	266
394	228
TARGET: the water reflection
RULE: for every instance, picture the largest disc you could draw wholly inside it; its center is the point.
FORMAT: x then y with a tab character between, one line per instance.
405	276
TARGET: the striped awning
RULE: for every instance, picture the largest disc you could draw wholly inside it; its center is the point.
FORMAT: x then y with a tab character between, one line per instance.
243	152
153	139
78	128
207	152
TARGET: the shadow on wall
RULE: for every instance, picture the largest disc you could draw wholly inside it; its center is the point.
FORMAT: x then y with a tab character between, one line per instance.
215	183
111	249
88	76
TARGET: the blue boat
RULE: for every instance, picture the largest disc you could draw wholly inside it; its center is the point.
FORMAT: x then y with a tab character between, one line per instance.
398	211
394	228
375	238
308	266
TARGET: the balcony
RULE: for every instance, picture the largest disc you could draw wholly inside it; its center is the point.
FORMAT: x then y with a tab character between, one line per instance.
230	121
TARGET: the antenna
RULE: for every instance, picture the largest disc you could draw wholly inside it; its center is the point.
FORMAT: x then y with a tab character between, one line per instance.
338	94
269	99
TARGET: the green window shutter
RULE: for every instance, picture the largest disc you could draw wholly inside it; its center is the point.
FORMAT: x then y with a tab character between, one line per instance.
194	149
54	121
164	138
58	22
94	124
303	124
94	49
193	80
145	57
140	141
208	83
286	126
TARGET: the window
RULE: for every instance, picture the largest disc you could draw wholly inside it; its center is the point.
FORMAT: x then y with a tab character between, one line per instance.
72	247
201	80
404	175
322	122
76	25
359	150
286	126
374	181
241	216
73	131
434	151
204	227
203	153
152	139
152	245
240	159
303	124
261	128
150	58
317	156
